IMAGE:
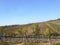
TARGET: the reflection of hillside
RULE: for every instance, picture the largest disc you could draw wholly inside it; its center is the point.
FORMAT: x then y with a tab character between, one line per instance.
33	39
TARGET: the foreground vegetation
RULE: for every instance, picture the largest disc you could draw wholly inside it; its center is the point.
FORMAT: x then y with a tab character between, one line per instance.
47	29
27	43
5	44
57	44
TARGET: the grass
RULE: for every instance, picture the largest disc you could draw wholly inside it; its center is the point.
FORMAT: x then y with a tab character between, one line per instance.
32	43
57	44
5	44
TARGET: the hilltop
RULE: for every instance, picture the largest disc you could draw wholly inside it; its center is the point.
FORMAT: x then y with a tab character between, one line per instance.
31	29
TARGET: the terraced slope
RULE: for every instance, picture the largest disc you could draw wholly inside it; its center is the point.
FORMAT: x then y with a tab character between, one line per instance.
29	29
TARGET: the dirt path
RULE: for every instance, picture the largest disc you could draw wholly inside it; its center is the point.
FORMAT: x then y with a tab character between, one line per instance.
51	27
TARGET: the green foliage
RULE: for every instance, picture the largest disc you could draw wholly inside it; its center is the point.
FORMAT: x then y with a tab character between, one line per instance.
20	31
57	44
47	32
36	30
5	44
29	43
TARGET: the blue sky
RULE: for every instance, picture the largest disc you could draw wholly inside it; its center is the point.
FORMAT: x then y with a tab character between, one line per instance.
28	11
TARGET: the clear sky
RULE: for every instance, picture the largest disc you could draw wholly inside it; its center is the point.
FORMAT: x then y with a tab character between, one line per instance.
28	11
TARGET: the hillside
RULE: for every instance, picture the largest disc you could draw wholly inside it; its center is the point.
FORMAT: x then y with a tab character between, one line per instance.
31	29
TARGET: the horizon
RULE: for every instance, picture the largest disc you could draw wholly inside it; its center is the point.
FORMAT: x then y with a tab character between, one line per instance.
29	23
28	11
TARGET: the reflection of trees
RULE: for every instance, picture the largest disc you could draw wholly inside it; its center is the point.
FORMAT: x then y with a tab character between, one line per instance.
55	35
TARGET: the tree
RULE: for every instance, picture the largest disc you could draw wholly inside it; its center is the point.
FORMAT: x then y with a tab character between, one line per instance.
58	19
47	33
36	30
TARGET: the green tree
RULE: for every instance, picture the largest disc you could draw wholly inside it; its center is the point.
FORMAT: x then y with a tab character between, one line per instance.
47	33
36	29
